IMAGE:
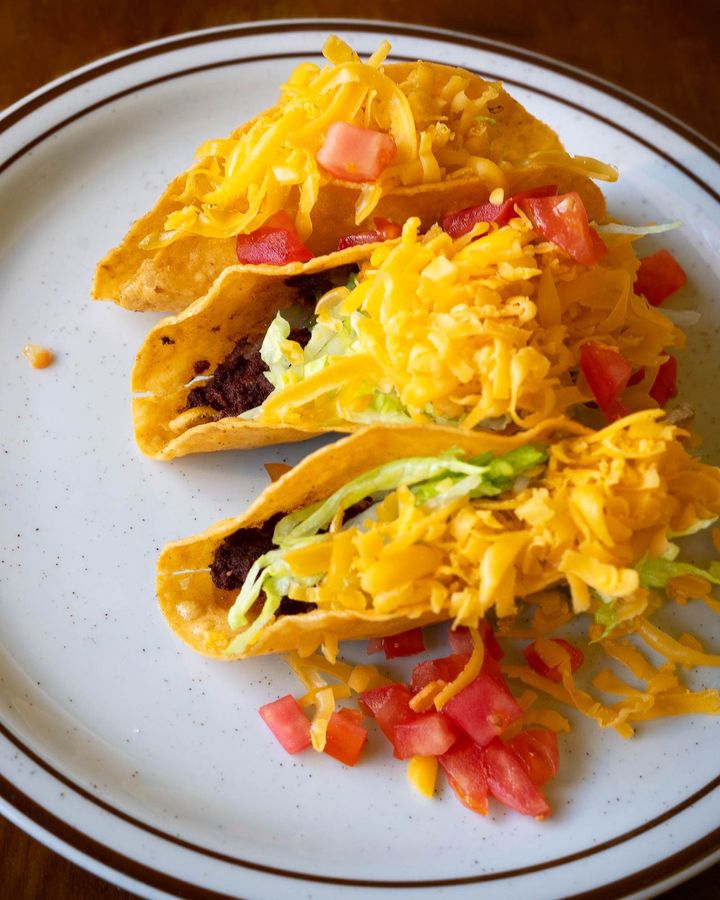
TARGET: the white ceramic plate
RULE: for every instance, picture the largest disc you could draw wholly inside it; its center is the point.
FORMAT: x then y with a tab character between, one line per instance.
150	765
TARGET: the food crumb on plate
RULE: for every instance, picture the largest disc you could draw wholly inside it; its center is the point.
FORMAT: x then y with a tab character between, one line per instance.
39	357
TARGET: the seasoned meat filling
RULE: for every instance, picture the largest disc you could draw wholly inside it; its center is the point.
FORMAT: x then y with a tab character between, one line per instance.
237	553
239	382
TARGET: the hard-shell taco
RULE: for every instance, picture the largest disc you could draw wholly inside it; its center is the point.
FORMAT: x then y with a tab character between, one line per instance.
396	527
345	143
499	327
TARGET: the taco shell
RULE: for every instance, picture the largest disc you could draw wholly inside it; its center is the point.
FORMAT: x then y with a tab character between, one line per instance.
196	609
171	276
241	304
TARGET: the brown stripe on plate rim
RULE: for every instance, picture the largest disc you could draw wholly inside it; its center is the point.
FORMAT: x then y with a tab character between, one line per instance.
670	160
109	857
647	877
169	45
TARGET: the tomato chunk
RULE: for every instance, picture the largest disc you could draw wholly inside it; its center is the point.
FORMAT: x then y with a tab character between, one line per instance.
461	641
536	662
426	734
462	221
465	770
375	645
345	737
563	221
607	373
537	749
276	243
389	705
385	230
665	384
659	276
447	669
408	643
509	782
353	153
287	721
483	709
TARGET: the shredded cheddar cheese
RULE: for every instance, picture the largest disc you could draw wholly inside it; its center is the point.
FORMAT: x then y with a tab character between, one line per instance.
470	333
466	557
437	118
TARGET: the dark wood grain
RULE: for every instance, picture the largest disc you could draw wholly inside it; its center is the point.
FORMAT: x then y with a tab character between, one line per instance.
663	50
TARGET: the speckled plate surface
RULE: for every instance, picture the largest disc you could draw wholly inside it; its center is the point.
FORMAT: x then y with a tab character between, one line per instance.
149	765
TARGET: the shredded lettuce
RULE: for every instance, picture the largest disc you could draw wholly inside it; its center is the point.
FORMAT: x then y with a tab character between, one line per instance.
272	353
433	479
487	478
640	230
501	473
260	571
605	615
655	573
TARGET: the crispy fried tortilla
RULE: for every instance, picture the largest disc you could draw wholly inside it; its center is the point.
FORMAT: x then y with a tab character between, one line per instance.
197	610
174	253
396	527
483	334
240	305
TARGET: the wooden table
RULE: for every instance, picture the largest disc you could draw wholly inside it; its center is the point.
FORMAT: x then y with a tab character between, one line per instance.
664	50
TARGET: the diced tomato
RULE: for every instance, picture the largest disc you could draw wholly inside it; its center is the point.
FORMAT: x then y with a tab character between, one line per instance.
465	770
659	276
607	373
385	230
665	384
509	782
408	643
483	709
426	734
389	705
353	715
353	153
276	243
345	738
636	377
461	641
447	669
287	721
563	221
536	662
375	645
537	749
462	221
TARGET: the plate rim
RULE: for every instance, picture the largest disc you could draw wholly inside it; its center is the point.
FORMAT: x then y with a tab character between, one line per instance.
96	68
702	850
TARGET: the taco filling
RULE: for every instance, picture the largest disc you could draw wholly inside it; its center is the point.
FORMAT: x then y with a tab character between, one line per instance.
501	326
455	536
347	146
240	382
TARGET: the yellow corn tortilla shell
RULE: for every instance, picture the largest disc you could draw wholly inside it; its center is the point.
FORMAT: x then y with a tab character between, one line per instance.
241	304
170	278
196	610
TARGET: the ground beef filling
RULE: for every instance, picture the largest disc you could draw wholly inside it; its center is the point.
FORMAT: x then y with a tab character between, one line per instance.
239	382
235	556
